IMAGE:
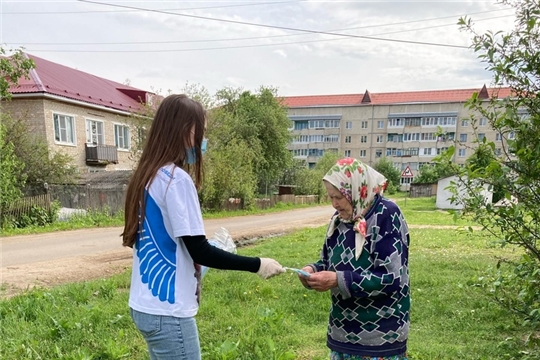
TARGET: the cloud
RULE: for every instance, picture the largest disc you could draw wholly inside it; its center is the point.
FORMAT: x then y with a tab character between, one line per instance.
174	49
280	52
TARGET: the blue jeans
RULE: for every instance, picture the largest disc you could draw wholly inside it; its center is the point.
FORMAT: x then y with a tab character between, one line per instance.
168	337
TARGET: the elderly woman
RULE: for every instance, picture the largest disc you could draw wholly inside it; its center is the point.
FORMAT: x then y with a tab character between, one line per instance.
364	263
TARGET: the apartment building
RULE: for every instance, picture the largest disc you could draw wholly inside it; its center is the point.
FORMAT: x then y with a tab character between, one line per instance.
409	128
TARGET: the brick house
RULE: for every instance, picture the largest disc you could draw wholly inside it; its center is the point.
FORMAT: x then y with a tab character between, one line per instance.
77	113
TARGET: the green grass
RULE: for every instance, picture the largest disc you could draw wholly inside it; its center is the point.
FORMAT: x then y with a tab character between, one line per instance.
242	316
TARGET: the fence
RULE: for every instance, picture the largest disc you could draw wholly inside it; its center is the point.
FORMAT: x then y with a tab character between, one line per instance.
236	204
111	197
87	197
24	205
423	190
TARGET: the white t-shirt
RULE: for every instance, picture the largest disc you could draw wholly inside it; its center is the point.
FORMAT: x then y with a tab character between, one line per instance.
163	279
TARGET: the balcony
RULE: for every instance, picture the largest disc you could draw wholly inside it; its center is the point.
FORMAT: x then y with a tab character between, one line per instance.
101	154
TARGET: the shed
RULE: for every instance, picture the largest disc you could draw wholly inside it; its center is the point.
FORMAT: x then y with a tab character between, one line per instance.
444	195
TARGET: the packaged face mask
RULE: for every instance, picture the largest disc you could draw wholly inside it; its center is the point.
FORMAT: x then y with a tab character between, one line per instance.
298	271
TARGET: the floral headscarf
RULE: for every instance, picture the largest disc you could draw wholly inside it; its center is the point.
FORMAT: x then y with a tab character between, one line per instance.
359	183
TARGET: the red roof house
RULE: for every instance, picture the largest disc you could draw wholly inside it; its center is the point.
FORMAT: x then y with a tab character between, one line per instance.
83	115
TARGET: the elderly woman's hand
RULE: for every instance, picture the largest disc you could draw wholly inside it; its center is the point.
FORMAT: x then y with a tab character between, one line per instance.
303	278
322	280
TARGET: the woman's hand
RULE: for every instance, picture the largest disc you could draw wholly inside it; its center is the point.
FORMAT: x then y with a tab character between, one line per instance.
303	278
321	281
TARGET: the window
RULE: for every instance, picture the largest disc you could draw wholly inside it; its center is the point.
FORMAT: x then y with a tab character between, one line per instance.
379	138
332	138
406	180
411	136
323	124
348	125
94	132
498	137
512	135
397	122
347	153
462	152
364	124
300	125
427	151
362	153
121	136
463	137
363	139
482	122
380	124
64	129
378	153
464	123
347	139
428	136
481	136
498	151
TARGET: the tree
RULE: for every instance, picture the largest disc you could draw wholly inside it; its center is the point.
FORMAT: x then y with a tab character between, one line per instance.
12	68
11	182
259	120
514	60
387	168
38	163
441	167
322	166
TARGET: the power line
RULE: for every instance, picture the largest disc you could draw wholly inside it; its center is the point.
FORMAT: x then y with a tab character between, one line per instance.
274	36
248	46
281	27
126	11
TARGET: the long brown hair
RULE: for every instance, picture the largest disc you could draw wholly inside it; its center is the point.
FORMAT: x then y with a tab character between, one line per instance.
167	142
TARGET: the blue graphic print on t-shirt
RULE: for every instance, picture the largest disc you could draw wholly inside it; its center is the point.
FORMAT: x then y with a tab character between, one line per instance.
156	251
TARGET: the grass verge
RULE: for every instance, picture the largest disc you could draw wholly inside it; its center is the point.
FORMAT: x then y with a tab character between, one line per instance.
243	317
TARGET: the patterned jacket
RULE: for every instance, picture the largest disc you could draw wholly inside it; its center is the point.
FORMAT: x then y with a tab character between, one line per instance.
370	307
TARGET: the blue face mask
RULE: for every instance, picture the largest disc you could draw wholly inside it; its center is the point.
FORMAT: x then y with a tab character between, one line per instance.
192	153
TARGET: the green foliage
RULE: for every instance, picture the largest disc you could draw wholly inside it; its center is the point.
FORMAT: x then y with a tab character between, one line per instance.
387	168
513	59
322	166
12	68
242	316
40	164
10	174
260	122
442	167
226	176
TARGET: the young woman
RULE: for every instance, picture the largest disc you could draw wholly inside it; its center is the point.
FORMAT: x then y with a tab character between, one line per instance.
164	226
364	263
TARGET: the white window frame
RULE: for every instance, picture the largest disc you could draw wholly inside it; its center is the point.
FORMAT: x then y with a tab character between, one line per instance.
348	125
462	152
364	125
380	139
347	153
461	136
483	121
59	140
363	153
363	139
100	137
348	139
464	123
380	124
126	146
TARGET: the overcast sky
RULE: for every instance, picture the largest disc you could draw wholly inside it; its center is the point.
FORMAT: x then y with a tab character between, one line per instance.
156	49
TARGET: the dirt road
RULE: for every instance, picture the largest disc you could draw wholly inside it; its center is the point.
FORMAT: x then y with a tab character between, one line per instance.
68	256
